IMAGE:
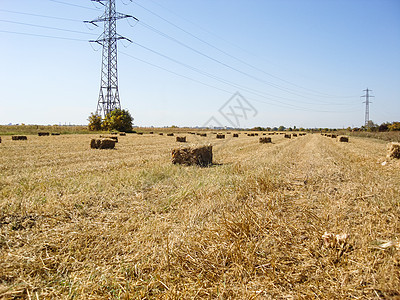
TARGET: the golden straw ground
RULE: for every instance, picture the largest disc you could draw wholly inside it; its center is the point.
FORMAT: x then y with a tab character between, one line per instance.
127	223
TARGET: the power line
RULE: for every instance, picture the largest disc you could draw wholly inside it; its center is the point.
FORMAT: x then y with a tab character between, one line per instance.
229	92
43	36
45	27
248	89
75	5
238	59
41	16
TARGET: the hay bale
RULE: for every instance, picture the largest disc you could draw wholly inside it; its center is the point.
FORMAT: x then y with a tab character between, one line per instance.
151	132
55	133
394	150
203	134
235	135
19	138
181	139
265	140
170	134
220	136
139	133
122	134
334	136
43	133
102	143
161	133
288	136
201	156
343	139
294	134
115	138
0	139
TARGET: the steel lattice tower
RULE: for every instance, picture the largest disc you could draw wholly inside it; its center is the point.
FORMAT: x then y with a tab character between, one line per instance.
109	94
367	102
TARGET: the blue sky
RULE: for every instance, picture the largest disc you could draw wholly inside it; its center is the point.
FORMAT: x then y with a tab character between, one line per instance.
301	63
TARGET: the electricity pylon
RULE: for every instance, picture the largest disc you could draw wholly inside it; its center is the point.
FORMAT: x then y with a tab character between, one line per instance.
109	94
367	102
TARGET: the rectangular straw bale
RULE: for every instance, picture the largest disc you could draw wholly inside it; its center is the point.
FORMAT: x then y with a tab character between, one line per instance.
220	136
55	133
43	133
203	134
181	139
394	150
343	139
122	134
161	133
19	138
235	135
288	136
115	138
201	156
102	143
294	134
170	134
265	140
0	139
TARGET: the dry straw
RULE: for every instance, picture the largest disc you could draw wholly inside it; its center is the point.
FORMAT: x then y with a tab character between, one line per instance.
394	150
102	143
201	156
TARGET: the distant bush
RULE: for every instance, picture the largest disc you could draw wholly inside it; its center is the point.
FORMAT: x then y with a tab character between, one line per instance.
118	119
95	122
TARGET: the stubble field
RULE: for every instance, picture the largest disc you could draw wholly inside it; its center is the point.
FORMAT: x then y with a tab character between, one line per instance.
80	223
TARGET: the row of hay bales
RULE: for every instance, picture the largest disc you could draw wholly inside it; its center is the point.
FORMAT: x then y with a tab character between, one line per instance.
342	139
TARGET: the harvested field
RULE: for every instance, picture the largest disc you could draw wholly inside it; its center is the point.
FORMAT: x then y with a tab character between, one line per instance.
301	218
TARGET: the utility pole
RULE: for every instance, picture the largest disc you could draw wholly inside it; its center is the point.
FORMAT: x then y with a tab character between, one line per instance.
109	94
367	102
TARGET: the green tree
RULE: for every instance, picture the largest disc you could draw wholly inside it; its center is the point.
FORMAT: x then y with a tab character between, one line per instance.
95	122
395	126
118	119
281	128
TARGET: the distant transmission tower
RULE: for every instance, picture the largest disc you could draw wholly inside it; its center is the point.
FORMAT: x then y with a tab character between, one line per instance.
109	95
367	102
